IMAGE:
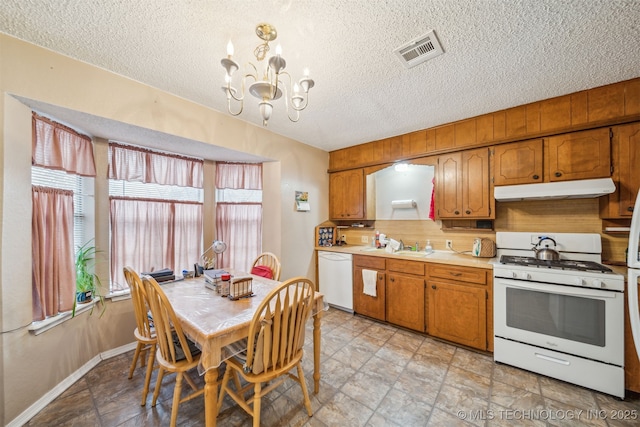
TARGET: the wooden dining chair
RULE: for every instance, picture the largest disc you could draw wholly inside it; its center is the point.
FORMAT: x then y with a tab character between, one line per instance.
144	332
277	329
175	352
267	259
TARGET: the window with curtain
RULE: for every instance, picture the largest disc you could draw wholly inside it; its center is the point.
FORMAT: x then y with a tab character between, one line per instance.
239	213
62	171
156	211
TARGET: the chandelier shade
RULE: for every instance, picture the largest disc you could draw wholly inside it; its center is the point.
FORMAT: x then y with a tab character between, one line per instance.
274	83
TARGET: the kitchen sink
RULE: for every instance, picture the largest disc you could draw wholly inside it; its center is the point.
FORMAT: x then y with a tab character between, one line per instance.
371	249
419	254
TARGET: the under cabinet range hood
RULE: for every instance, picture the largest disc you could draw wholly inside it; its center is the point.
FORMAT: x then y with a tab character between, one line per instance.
581	189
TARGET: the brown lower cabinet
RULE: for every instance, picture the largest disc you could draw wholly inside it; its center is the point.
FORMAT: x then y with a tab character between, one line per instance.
446	301
406	294
458	304
365	304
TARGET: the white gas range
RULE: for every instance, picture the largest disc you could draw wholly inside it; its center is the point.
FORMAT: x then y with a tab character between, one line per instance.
562	318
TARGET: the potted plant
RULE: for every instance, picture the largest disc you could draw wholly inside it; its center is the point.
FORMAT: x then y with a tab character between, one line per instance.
88	284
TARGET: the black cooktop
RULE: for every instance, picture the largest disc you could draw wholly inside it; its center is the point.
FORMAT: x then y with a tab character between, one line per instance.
563	264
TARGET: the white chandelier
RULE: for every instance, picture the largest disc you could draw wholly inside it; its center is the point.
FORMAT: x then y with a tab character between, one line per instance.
269	87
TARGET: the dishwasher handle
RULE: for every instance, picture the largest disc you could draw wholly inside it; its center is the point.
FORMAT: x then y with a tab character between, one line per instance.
333	256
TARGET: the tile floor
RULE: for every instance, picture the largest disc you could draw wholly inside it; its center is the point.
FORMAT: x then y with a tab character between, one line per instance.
372	375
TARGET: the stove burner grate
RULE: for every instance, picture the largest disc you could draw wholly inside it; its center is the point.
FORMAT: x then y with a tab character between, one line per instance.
563	264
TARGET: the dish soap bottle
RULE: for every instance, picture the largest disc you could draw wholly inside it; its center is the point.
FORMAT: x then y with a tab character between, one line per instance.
428	248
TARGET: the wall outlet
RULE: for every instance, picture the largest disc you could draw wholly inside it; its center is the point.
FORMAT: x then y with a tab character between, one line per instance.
364	239
449	244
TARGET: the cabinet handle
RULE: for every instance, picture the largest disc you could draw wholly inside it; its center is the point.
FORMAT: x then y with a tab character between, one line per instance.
433	286
379	277
455	274
392	279
630	208
457	212
468	212
536	177
558	174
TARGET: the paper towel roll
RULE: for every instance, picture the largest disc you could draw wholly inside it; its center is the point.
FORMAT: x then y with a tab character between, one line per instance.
403	204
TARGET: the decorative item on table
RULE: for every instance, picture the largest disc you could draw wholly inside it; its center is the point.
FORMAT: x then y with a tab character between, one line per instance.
217	247
241	287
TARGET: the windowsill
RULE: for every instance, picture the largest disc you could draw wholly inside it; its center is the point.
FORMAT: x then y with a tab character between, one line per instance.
119	295
36	328
41	326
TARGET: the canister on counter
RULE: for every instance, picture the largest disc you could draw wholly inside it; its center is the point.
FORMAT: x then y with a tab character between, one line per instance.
223	286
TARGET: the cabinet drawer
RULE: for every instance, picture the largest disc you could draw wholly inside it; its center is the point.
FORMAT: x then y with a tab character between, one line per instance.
407	267
462	274
369	262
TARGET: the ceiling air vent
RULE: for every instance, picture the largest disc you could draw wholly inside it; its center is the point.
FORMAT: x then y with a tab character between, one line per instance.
419	50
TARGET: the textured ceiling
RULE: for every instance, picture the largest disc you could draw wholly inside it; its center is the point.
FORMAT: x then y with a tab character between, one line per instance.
498	53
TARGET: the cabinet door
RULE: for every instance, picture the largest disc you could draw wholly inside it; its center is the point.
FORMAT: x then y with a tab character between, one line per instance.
475	184
346	194
579	155
518	163
628	137
366	304
449	186
458	313
405	301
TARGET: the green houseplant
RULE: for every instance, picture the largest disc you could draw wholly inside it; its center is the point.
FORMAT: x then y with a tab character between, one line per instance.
88	284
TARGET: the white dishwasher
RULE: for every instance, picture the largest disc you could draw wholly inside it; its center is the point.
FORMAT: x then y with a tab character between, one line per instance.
335	279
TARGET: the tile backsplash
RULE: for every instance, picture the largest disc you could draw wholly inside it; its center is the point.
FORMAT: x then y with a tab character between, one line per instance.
568	216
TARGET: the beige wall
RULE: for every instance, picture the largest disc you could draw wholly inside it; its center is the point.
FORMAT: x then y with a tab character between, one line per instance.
33	365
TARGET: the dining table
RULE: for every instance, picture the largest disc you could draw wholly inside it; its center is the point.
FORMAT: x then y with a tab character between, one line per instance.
214	322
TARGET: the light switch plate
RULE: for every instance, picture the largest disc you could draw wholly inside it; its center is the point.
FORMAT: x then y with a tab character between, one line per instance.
364	239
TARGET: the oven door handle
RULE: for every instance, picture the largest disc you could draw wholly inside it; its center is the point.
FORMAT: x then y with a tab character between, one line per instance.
566	290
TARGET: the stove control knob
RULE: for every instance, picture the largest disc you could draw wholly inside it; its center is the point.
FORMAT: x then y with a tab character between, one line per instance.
526	276
514	274
580	281
597	283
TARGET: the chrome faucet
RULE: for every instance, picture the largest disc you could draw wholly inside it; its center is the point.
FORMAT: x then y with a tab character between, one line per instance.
401	248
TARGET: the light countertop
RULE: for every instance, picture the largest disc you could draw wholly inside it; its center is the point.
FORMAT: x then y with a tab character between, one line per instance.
439	257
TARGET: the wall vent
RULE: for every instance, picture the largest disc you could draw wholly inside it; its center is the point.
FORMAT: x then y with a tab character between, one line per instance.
419	50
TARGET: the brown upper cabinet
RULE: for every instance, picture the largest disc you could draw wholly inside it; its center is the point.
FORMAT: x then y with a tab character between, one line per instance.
518	163
626	173
599	107
346	189
463	185
578	155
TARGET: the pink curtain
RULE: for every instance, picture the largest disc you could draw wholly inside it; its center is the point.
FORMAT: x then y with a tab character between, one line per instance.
138	164
150	235
245	176
240	227
53	273
56	146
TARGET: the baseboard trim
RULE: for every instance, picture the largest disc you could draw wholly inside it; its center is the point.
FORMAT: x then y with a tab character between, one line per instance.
62	386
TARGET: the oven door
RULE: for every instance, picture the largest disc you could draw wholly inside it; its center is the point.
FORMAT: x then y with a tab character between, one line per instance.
580	321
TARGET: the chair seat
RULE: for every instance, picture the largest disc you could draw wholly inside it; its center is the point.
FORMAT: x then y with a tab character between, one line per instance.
144	339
